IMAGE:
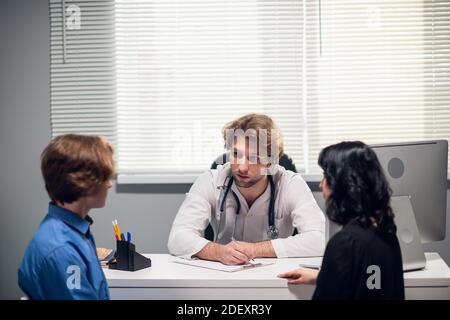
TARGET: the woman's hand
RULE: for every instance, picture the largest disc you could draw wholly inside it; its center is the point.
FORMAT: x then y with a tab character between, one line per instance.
301	276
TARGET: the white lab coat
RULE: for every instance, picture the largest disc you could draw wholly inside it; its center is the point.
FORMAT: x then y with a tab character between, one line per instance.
295	207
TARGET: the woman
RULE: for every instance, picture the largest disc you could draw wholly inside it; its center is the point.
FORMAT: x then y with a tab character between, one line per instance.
363	260
61	261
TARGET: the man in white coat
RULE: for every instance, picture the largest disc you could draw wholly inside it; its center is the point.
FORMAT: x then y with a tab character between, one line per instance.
253	211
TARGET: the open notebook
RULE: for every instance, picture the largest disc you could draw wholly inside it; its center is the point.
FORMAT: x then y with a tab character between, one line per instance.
218	265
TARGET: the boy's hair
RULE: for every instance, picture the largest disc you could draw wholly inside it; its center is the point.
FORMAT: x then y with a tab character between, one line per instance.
261	124
74	166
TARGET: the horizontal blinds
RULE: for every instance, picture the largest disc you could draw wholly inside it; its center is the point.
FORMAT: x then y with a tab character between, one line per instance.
160	78
82	73
185	68
378	72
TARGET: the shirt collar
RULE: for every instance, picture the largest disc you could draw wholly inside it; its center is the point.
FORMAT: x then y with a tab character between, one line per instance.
70	218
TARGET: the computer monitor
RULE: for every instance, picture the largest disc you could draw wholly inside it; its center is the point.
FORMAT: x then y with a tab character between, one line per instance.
419	170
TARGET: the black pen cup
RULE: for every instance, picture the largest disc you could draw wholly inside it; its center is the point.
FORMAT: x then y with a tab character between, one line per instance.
128	259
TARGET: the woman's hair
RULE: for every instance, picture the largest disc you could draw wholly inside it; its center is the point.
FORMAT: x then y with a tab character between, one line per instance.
359	189
75	165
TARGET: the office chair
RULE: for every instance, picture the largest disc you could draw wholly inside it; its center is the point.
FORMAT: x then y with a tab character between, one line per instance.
285	161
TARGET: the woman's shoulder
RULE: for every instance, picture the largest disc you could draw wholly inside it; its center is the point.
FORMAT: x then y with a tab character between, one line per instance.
352	234
360	238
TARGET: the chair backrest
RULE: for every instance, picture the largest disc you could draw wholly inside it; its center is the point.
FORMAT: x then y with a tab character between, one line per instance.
285	161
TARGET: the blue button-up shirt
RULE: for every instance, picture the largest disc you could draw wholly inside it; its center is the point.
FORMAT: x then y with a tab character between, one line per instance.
61	260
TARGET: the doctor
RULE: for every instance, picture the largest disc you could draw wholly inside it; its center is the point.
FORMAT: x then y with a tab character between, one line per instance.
252	203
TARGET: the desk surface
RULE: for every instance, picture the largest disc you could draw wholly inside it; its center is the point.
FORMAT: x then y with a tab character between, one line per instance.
165	273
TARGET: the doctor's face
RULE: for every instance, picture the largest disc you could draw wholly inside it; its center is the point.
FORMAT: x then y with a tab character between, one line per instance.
245	165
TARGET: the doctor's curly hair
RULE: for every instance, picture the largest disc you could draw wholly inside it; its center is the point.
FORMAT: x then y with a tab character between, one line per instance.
257	122
358	185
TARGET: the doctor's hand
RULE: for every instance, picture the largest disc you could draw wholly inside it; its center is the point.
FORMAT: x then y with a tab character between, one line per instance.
263	249
232	253
300	276
248	248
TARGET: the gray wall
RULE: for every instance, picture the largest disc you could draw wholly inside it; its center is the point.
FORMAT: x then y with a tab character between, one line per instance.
25	130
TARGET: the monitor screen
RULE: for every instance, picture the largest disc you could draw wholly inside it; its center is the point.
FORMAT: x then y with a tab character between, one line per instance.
419	170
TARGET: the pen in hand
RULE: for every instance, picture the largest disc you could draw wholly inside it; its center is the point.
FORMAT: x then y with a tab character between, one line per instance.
250	261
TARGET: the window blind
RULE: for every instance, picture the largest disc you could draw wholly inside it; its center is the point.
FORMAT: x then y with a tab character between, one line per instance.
82	72
185	68
378	71
161	78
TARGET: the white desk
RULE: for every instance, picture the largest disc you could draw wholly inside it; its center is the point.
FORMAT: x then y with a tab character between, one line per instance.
168	280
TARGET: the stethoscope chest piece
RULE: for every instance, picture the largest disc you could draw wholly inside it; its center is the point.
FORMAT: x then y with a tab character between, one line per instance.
272	232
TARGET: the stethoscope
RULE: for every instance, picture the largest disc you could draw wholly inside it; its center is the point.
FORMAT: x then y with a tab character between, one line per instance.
272	230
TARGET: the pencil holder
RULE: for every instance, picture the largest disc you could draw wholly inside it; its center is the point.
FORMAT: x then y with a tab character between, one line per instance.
128	259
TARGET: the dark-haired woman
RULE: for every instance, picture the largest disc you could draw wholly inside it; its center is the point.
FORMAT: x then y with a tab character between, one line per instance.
363	260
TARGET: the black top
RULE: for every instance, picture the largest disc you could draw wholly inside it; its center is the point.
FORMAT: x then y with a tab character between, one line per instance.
346	271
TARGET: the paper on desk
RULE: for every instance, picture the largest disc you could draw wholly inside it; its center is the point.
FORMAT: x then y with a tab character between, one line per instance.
104	253
218	265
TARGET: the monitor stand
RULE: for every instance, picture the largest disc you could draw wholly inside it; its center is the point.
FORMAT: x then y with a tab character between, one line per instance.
408	234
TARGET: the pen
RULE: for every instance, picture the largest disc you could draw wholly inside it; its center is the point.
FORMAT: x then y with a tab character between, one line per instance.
118	228
122	237
128	237
233	239
309	266
115	230
252	265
